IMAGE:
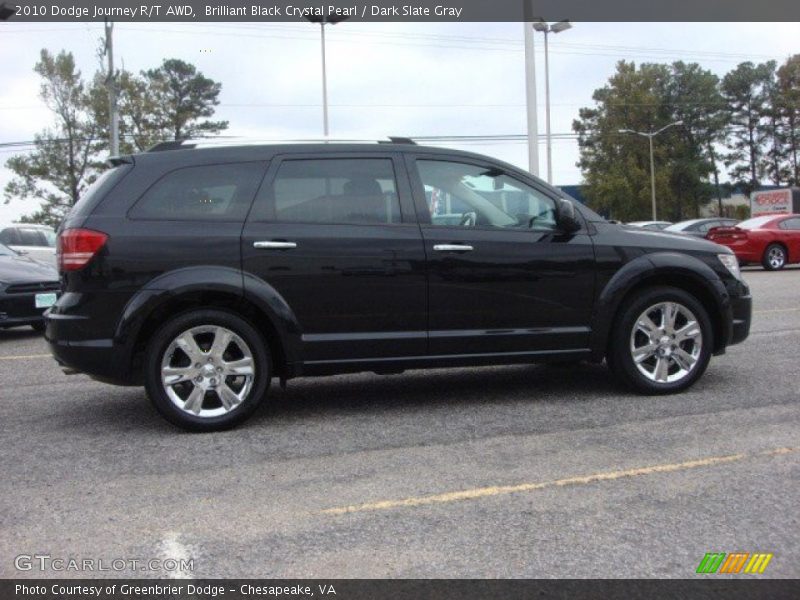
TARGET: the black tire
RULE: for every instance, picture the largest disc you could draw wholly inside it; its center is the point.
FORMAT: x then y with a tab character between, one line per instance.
160	343
774	258
620	356
38	327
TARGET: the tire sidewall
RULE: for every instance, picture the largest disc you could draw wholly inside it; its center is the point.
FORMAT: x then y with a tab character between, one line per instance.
177	325
622	360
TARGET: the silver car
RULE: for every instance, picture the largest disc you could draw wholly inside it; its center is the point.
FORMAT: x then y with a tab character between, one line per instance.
35	241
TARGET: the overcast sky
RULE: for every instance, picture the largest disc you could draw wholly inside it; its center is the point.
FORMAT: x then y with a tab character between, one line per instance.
383	78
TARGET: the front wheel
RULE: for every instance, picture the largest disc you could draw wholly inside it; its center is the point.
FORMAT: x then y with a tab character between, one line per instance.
207	370
662	341
774	257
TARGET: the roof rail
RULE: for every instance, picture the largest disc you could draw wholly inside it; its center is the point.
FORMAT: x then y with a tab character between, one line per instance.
175	145
188	144
398	140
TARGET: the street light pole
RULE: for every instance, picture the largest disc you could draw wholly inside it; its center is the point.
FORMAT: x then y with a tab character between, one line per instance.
530	97
324	83
547	30
322	22
650	135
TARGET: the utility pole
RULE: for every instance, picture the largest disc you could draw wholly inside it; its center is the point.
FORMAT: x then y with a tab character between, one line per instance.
530	97
111	84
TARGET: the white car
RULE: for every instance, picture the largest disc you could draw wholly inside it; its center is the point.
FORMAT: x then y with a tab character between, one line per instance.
651	225
35	241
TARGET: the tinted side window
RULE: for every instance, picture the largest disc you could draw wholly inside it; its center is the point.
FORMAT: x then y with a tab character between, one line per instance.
471	196
791	224
9	237
31	237
203	193
336	191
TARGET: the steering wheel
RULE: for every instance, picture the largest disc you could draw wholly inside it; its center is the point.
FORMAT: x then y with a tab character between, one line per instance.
468	219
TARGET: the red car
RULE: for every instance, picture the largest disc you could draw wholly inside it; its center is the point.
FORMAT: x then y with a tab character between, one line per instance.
772	240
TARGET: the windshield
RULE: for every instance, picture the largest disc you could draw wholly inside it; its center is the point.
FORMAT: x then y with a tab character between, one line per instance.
755	222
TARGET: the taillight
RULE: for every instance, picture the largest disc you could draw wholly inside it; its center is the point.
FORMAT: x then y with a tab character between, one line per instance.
76	247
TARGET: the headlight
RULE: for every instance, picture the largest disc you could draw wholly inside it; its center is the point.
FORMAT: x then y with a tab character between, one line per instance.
731	263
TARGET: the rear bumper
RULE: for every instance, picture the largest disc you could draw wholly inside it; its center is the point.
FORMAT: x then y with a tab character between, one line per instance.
102	359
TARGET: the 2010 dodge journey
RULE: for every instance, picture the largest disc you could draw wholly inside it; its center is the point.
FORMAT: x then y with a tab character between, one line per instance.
204	273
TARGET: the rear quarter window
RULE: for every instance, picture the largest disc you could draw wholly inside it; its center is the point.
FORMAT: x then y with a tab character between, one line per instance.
201	193
98	190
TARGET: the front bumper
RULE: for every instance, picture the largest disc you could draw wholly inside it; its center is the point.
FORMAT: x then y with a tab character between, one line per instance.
19	309
742	314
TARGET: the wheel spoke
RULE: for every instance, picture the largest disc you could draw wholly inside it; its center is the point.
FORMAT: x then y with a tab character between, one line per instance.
227	396
642	353
662	369
188	344
689	331
222	338
243	366
174	375
194	403
669	313
646	325
684	359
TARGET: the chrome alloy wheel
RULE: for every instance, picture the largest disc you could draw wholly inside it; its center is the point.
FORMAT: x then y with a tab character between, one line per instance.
666	342
776	257
207	371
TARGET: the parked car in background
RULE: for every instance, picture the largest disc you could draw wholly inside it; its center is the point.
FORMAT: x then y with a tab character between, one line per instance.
651	225
699	227
37	241
27	288
203	273
772	240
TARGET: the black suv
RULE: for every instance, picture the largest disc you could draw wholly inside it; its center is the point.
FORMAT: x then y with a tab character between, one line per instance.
203	273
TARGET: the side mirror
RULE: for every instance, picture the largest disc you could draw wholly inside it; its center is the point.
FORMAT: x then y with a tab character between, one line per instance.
566	217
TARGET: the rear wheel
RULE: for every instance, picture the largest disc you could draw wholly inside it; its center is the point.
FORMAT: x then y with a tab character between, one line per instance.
38	327
774	257
207	370
662	341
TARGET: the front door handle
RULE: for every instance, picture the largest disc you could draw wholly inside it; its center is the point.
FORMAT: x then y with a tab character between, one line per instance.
275	245
453	248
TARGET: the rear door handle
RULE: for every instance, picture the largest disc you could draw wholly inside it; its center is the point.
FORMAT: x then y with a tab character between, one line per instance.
453	248
275	245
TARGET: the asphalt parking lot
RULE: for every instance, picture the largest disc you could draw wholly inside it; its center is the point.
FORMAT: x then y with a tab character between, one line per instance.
522	471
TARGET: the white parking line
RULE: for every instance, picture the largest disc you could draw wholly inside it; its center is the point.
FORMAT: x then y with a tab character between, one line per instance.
172	549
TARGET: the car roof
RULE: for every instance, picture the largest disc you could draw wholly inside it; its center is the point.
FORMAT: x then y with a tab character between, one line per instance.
257	151
25	225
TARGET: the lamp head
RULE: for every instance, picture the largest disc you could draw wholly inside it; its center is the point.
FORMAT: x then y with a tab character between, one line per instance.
560	26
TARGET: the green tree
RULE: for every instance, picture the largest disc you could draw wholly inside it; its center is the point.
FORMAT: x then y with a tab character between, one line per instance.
788	88
172	102
64	161
616	167
746	91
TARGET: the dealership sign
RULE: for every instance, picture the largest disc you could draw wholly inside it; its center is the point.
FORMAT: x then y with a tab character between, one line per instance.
772	202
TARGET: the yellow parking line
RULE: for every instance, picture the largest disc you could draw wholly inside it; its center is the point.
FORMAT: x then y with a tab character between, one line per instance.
26	356
485	492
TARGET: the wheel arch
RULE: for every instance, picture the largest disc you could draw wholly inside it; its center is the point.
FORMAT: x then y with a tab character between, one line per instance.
210	287
681	271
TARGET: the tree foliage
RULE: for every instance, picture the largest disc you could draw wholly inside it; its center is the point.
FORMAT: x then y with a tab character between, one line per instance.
616	165
65	159
748	122
173	101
